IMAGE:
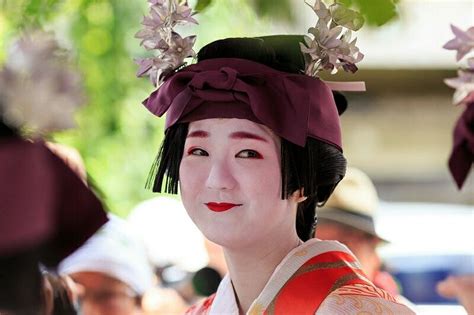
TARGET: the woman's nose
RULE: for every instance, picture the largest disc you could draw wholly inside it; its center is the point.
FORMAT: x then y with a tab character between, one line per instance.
220	177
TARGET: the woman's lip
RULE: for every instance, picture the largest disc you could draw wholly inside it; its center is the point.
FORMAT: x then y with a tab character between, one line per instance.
220	207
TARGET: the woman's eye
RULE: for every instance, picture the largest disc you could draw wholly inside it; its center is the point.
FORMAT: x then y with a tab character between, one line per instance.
198	152
249	154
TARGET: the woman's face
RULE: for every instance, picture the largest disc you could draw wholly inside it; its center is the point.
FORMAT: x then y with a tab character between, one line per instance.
230	182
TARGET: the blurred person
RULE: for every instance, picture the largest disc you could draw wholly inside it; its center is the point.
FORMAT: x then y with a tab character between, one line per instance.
71	157
163	301
112	271
348	217
60	295
46	209
206	281
459	287
184	253
156	220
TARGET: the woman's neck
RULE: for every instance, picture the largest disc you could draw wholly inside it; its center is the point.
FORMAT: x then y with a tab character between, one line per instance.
251	268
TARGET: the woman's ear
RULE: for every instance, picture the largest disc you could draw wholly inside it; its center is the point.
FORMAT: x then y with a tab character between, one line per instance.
298	196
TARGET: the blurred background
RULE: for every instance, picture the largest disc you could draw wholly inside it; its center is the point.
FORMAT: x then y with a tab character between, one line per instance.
399	131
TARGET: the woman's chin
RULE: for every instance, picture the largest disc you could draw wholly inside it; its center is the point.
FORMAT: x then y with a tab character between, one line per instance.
229	238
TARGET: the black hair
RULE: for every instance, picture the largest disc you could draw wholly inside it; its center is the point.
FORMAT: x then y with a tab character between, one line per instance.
62	303
206	281
21	283
316	168
6	130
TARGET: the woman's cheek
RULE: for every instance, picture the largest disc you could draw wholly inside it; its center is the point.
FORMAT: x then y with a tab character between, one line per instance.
184	178
190	176
265	173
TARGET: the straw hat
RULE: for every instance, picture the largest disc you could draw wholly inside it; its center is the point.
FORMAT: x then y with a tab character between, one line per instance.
354	202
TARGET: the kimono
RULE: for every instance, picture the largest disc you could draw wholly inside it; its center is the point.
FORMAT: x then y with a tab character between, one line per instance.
317	277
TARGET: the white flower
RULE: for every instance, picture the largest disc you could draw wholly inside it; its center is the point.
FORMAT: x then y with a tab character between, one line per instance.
328	49
464	83
39	91
463	42
321	11
158	35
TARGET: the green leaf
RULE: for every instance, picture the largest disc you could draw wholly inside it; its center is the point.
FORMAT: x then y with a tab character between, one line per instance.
377	12
347	3
281	9
202	5
348	18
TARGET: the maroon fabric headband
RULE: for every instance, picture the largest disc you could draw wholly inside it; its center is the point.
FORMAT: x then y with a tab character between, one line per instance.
294	106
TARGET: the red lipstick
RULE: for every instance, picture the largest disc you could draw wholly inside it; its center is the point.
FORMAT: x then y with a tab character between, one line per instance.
221	207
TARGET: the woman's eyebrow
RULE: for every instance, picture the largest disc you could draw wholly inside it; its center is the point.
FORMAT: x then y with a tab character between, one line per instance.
246	135
198	134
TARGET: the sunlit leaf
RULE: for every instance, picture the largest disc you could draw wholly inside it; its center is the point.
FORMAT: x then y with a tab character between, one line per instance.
377	12
202	5
348	18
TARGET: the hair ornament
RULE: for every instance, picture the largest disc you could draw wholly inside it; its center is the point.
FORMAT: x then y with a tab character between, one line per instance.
159	35
329	46
462	154
39	92
463	43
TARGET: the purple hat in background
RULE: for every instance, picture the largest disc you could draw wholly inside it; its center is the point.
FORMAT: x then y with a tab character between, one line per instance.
45	205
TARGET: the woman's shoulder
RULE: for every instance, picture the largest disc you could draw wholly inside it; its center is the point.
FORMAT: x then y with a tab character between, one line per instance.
357	298
201	308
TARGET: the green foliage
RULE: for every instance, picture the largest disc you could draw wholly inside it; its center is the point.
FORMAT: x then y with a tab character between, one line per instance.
281	9
202	5
375	12
348	18
30	13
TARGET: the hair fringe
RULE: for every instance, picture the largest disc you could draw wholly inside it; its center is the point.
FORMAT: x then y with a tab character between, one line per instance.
166	165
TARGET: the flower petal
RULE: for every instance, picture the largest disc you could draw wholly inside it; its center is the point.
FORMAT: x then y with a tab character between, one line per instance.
452	44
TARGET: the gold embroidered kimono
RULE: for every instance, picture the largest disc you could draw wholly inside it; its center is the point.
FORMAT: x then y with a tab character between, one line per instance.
318	277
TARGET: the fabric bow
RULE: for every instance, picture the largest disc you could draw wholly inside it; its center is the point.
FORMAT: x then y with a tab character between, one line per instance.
294	106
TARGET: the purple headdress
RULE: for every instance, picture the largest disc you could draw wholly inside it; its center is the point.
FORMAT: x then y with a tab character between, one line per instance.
294	106
462	155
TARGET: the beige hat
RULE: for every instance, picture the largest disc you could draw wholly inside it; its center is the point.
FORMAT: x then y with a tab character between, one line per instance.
354	202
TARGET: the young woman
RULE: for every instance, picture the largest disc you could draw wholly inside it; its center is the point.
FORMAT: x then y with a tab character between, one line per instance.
254	146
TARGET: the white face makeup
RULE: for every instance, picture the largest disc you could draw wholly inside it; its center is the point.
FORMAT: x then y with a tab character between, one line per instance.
230	182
